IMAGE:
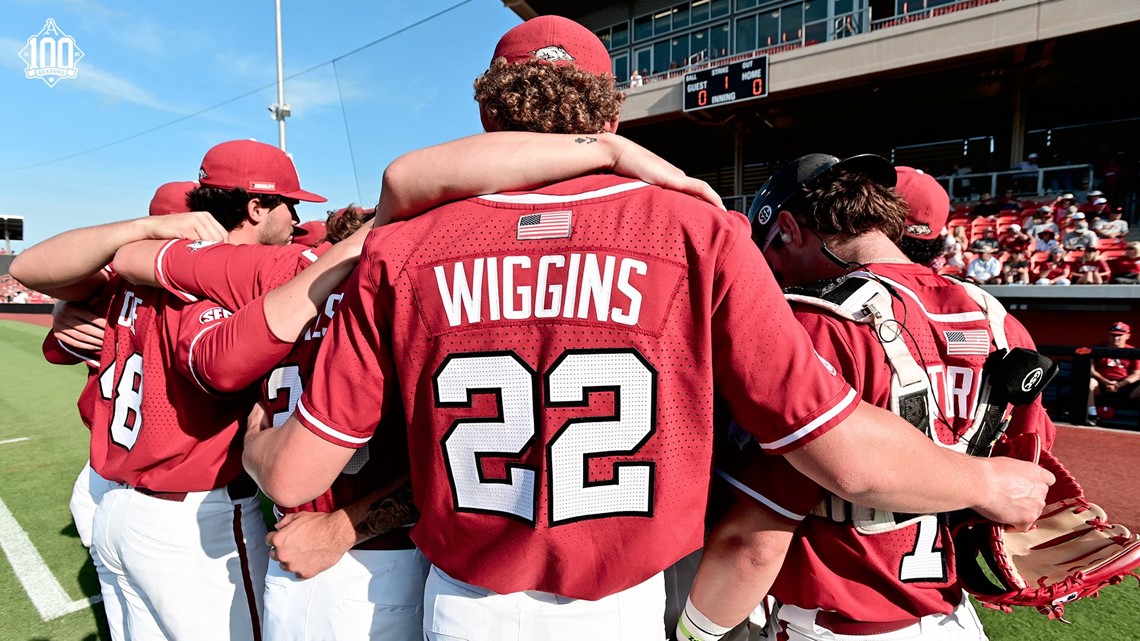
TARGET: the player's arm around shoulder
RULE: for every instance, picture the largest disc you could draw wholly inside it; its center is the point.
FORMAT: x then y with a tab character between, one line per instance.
895	463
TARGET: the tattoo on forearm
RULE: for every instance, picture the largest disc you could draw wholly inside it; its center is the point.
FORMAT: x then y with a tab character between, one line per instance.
585	140
388	513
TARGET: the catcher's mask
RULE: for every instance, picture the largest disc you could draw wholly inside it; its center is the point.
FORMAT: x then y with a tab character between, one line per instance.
793	179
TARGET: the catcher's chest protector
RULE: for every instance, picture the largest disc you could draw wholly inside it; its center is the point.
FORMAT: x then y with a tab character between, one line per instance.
860	297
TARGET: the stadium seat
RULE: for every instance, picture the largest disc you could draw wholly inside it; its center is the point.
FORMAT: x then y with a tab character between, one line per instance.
1112	254
1009	219
951	270
1110	243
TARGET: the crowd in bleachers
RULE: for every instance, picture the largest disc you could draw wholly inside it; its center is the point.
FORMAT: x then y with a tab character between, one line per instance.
13	292
1054	242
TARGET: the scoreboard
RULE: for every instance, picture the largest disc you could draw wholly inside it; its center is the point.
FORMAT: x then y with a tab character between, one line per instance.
726	84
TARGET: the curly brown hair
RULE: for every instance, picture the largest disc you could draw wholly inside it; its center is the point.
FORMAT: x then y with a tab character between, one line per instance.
847	203
342	223
540	97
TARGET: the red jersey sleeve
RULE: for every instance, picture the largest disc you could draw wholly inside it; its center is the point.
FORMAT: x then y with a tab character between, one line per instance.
230	275
238	351
355	349
759	350
195	322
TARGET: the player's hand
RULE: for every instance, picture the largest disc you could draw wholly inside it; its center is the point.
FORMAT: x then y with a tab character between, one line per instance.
195	225
1016	489
1112	386
77	327
308	543
635	161
257	422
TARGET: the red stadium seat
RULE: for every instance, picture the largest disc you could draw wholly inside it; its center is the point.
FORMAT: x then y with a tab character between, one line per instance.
951	270
1110	243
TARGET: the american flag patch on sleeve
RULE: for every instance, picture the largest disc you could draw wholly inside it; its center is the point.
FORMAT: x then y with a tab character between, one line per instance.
549	224
969	341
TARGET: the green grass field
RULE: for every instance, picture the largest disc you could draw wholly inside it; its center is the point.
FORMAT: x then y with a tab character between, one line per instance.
37	402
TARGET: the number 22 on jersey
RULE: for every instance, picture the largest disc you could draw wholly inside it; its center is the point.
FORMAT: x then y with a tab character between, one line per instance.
572	496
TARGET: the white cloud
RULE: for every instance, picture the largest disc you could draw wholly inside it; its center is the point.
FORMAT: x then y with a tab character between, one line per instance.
92	78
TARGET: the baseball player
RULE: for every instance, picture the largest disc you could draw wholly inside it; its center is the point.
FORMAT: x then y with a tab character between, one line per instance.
909	340
184	537
330	571
556	351
77	338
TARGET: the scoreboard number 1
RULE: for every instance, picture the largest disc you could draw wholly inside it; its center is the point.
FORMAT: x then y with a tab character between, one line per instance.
726	84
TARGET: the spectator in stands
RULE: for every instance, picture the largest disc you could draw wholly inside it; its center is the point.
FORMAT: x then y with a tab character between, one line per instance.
1112	377
1015	240
1099	208
1112	227
635	79
1126	269
986	206
1054	271
1081	238
1080	196
958	237
20	298
1015	270
985	268
1091	269
1029	164
988	241
1043	221
1026	182
1046	242
1008	198
1062	203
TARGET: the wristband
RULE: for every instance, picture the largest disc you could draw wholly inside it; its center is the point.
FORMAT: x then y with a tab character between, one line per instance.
695	626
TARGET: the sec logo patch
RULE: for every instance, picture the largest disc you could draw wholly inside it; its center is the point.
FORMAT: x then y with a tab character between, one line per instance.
214	314
764	216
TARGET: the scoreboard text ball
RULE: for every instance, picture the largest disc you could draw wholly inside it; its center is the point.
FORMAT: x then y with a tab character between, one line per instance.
726	84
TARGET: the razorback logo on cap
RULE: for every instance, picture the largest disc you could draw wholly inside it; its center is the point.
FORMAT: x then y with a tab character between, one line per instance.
553	53
262	186
918	230
202	173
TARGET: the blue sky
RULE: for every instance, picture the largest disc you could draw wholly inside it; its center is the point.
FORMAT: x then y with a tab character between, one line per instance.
149	63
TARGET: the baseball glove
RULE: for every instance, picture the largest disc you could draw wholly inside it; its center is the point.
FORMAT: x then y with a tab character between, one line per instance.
1073	551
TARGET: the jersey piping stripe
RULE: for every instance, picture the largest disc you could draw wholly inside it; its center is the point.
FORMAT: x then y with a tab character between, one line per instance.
190	359
812	426
964	317
162	280
760	498
93	362
551	199
320	425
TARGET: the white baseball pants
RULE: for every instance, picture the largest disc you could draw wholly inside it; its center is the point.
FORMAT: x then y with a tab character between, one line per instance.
186	570
368	594
458	611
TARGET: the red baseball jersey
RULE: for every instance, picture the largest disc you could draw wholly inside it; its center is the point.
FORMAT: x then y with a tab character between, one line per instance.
157	425
906	572
235	275
56	353
1115	369
556	353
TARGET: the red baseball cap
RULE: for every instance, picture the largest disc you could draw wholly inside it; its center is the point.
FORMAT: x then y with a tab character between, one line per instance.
309	234
255	167
557	40
928	205
171	198
1120	328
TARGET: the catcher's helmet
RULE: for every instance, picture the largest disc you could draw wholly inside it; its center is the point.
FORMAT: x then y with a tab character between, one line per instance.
782	189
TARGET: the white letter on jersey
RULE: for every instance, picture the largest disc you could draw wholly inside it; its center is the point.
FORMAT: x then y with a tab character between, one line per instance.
959	384
130	307
597	286
554	291
571	286
619	316
511	293
462	293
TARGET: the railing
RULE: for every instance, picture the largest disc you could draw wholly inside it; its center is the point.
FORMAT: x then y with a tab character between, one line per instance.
1023	182
814	32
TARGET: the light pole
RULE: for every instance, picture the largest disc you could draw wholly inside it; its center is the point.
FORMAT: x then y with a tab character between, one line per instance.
280	110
